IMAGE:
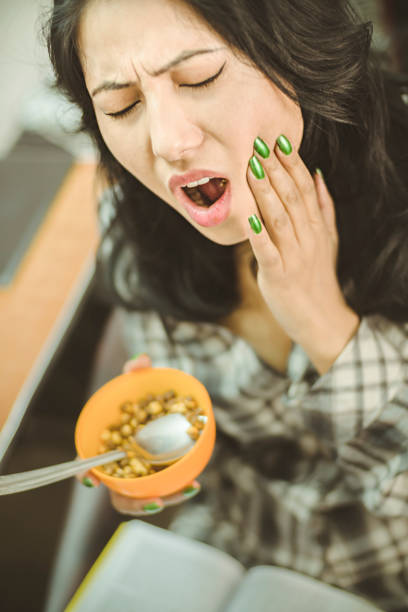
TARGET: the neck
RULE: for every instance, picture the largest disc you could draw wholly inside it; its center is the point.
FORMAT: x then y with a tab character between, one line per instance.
246	268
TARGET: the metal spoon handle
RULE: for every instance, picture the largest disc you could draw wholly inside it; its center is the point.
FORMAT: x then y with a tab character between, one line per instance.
24	481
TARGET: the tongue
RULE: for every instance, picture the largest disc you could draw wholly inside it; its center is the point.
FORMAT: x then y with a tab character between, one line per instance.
212	190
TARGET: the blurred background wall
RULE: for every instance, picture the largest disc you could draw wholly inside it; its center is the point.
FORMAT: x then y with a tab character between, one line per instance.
28	101
23	63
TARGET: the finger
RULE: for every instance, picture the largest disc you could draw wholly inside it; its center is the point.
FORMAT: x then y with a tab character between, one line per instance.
137	363
87	478
286	193
275	217
136	507
266	253
187	493
89	481
298	180
326	204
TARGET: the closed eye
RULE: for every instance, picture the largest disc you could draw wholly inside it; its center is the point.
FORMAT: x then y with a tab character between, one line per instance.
207	81
122	113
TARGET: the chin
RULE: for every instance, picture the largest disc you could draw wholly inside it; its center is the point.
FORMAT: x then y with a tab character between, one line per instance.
234	230
225	236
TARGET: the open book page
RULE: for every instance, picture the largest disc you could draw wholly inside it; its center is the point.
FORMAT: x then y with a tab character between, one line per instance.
273	589
151	569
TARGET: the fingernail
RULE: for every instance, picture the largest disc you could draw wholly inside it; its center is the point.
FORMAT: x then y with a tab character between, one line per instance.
255	224
320	173
152	508
88	482
284	145
136	356
191	491
261	147
256	168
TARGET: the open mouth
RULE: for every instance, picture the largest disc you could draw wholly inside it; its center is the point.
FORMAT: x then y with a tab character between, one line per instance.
206	194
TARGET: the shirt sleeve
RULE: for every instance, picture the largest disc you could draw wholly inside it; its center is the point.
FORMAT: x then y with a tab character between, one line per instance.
359	409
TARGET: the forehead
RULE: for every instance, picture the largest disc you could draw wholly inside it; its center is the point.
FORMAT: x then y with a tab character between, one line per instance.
124	35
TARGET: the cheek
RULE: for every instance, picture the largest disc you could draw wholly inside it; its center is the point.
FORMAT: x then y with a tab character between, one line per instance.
277	115
297	125
125	149
118	145
134	159
292	121
117	138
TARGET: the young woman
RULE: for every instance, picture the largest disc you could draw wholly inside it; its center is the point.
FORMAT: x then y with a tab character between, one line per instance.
284	292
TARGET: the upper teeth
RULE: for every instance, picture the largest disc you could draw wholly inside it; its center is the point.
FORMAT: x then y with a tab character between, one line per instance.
199	182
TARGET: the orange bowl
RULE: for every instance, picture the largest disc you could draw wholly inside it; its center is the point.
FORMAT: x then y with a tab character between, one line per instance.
103	409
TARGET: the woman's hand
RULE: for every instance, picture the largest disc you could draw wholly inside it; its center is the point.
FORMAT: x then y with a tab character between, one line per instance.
295	242
130	505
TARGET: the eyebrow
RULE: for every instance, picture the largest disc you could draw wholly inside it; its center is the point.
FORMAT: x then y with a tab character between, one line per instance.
182	57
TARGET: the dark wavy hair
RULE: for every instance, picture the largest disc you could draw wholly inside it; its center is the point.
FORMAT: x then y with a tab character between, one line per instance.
355	130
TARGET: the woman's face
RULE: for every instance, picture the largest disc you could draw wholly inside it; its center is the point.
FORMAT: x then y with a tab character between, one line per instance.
144	62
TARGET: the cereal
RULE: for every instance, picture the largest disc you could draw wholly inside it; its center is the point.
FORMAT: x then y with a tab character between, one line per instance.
142	415
178	408
126	430
134	422
125	418
116	438
154	408
138	467
127	407
193	432
134	416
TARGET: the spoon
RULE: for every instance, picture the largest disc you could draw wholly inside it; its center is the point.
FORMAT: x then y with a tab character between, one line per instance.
160	442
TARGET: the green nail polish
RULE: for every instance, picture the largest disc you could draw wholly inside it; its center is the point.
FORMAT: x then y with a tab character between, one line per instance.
136	356
152	508
284	145
320	173
256	168
190	491
255	224
88	482
261	147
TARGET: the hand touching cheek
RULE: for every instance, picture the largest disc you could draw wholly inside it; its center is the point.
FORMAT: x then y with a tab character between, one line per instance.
295	241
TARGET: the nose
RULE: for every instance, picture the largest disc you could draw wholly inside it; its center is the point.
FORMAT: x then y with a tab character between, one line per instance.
174	136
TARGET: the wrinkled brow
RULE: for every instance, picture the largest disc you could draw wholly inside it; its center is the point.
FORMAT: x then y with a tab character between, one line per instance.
182	57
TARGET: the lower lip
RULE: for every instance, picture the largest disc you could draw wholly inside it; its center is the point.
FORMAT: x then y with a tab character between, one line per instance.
214	214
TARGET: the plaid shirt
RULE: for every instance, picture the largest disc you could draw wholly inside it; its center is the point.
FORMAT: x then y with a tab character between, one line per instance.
309	471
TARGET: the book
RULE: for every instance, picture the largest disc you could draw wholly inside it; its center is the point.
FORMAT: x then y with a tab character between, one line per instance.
150	569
